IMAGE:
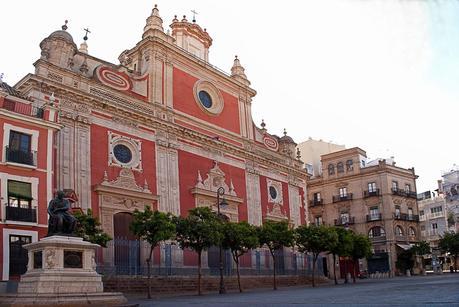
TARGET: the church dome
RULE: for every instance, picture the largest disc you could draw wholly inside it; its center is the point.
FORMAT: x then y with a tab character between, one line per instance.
62	34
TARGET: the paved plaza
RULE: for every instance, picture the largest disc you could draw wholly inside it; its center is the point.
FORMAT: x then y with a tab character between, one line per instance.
432	290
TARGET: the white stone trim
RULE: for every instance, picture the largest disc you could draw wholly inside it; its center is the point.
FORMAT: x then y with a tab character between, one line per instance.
6	137
134	145
4	177
49	166
217	99
6	247
295	205
278	186
254	214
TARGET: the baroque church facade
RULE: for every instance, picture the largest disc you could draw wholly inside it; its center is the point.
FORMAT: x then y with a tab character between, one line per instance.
163	128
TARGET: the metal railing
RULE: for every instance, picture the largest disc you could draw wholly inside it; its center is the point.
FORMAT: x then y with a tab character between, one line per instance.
400	192
374	217
367	194
315	202
21	157
406	217
338	198
124	257
21	214
378	238
345	221
23	108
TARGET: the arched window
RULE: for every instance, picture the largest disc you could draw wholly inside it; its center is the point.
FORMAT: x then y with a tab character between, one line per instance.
398	231
412	232
349	165
376	232
340	167
331	169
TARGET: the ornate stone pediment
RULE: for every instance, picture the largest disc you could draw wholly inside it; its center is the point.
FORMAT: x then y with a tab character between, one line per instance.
276	214
205	193
125	180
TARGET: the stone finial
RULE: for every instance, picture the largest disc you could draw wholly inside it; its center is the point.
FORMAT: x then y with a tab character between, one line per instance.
64	26
285	131
154	22
1	78
237	72
175	19
298	153
84	66
199	183
105	176
83	47
145	186
184	19
263	125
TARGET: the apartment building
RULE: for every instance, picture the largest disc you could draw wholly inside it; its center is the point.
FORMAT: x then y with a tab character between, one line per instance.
375	198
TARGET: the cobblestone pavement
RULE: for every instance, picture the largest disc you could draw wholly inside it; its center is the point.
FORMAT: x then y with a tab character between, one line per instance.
432	290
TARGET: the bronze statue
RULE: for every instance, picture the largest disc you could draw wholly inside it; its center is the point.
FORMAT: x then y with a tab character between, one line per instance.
61	221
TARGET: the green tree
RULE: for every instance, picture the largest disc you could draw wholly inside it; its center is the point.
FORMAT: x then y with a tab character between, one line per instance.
361	248
200	230
315	239
342	247
276	236
239	238
153	227
420	249
88	228
449	243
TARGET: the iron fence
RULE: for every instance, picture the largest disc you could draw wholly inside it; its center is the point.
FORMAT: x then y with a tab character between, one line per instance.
123	257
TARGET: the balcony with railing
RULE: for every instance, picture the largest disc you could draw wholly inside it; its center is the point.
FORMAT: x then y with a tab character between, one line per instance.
315	202
379	238
367	194
403	193
338	198
345	221
374	217
22	108
21	214
21	157
406	217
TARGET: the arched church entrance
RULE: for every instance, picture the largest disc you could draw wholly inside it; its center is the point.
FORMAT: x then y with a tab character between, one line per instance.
126	245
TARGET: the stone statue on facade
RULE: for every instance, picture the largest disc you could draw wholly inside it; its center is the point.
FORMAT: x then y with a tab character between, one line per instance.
61	221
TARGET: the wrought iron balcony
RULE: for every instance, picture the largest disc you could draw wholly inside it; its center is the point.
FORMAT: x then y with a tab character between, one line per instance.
338	198
315	202
404	193
345	221
23	108
21	157
367	194
21	214
406	217
378	238
374	217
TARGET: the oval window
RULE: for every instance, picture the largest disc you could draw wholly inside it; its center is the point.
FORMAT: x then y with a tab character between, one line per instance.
205	99
273	192
122	153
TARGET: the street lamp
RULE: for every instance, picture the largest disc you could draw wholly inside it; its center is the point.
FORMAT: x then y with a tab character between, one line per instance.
223	203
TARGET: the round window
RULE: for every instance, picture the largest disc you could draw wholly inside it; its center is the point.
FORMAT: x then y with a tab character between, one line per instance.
205	99
273	192
122	153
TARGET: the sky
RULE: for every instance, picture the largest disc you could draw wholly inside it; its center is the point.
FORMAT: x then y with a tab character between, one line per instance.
378	74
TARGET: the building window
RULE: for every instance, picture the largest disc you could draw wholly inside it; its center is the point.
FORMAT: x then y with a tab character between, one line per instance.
372	187
18	149
318	220
436	210
407	188
331	169
421	213
397	211
398	231
344	217
410	212
19	194
122	153
343	192
273	192
394	185
18	254
376	232
205	99
317	197
349	165
412	232
374	214
340	167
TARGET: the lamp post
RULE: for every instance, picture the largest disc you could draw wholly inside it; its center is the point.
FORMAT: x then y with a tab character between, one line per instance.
221	192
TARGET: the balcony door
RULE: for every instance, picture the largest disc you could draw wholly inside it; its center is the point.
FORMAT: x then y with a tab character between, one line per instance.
18	255
19	148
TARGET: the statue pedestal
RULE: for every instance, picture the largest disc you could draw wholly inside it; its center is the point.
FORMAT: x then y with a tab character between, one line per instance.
62	270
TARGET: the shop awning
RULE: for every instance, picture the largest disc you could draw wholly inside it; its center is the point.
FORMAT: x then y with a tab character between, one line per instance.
405	246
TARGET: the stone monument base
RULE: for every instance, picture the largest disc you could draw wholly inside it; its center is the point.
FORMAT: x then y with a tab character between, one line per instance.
61	271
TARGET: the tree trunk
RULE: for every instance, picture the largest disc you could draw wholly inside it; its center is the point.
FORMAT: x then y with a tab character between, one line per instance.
149	272
334	268
345	270
199	273
355	273
236	259
274	270
314	259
